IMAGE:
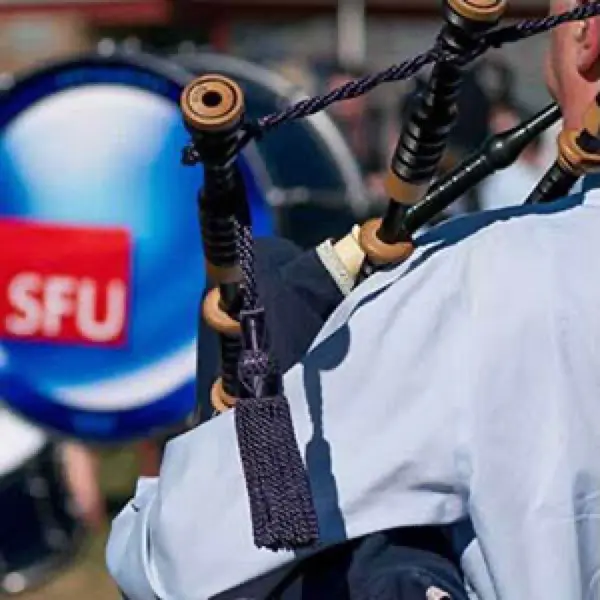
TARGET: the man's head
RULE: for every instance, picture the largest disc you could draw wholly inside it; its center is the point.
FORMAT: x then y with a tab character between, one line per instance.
573	63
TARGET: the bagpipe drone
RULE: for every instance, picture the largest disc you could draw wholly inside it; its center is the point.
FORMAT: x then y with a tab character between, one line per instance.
283	515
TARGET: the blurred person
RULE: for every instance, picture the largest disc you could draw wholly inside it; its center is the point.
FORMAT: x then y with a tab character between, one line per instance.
360	124
296	72
497	78
82	472
548	146
50	496
438	428
79	465
517	181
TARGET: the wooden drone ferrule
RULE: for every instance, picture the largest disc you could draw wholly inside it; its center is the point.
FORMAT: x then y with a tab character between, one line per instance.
578	154
220	399
216	316
479	11
380	253
579	151
212	103
572	158
224	391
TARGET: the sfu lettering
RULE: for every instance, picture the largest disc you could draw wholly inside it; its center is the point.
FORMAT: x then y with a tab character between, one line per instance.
45	305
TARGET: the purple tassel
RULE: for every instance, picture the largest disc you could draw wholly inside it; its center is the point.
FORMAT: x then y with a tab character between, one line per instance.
281	505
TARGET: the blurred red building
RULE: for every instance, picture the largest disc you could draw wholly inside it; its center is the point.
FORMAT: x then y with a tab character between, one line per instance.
267	31
266	9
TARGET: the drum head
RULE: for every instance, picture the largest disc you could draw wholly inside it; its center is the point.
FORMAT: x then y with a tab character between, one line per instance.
318	186
94	146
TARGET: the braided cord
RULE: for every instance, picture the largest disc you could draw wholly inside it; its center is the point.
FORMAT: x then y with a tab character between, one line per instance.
531	27
408	68
245	249
352	89
282	511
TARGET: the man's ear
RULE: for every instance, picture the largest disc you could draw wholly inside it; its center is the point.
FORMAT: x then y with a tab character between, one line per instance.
588	47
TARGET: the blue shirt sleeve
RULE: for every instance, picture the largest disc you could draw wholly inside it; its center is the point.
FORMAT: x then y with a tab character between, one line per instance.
374	367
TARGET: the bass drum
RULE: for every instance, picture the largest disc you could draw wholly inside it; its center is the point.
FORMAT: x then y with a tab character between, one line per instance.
40	532
94	144
318	191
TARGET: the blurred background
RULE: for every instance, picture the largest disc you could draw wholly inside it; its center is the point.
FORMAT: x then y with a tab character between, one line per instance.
96	143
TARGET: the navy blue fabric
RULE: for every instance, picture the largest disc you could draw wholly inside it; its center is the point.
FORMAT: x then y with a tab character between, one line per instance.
299	296
401	564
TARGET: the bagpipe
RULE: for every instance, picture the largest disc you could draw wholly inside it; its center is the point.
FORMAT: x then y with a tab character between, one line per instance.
92	188
213	108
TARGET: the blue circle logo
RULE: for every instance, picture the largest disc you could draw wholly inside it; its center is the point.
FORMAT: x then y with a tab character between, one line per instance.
99	145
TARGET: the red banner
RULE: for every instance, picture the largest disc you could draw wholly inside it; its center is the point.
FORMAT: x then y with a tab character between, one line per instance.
64	284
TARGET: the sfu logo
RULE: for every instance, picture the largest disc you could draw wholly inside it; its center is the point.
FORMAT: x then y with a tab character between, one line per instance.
64	284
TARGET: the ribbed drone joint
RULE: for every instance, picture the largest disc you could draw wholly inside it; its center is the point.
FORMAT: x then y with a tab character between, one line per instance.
422	143
423	140
220	249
